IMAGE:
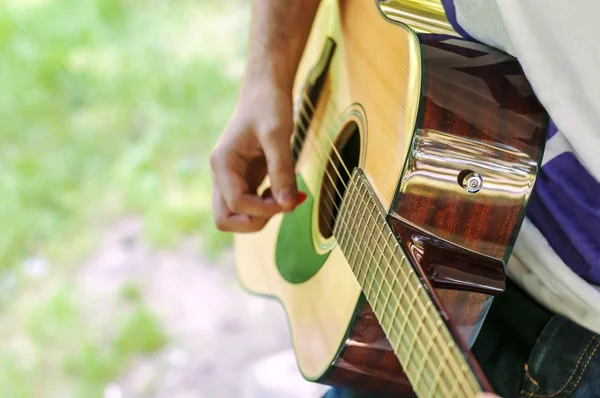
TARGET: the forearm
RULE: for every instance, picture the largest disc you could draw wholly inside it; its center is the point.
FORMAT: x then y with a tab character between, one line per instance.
279	33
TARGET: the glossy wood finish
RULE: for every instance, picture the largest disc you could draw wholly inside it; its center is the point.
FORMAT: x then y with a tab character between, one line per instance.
481	98
433	357
367	362
484	109
450	266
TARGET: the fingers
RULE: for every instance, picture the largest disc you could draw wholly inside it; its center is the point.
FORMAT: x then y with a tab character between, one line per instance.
234	191
227	221
280	168
247	151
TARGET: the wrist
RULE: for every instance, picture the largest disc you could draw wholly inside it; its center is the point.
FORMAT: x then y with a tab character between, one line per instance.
272	74
261	87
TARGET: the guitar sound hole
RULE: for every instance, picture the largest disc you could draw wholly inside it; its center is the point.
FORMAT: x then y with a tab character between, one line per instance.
336	176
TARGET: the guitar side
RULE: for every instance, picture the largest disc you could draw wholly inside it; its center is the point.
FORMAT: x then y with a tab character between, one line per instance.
487	109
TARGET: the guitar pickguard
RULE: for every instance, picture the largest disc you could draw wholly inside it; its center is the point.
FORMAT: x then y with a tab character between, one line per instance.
295	255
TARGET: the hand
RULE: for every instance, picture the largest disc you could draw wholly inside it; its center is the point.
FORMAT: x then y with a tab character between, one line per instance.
255	142
488	395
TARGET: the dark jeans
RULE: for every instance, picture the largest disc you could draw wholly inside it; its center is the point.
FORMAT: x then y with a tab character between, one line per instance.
526	351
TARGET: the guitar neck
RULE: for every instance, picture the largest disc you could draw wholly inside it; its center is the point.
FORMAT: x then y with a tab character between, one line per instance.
405	306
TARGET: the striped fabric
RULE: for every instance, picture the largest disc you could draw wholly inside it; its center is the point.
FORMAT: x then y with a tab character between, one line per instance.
565	207
557	255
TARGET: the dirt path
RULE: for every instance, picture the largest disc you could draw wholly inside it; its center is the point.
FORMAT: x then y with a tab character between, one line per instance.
222	341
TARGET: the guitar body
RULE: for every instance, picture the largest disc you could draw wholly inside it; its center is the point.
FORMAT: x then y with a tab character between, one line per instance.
416	114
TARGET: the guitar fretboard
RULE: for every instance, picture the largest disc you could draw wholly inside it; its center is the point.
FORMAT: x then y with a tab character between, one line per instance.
409	316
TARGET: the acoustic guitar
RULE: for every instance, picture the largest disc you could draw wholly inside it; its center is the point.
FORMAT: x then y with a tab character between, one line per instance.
418	152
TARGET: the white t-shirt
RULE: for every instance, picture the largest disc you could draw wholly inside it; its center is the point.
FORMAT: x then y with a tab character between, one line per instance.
557	255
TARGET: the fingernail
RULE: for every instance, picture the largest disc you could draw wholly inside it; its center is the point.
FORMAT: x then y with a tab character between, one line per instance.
301	198
286	198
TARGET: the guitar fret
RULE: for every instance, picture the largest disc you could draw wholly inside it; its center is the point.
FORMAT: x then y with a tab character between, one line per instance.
464	369
370	286
402	294
419	373
376	298
419	344
377	270
341	224
370	295
403	290
401	267
361	241
391	287
409	318
381	285
410	312
438	373
430	361
453	392
410	328
352	227
394	284
386	300
371	236
373	218
341	230
363	259
357	267
411	332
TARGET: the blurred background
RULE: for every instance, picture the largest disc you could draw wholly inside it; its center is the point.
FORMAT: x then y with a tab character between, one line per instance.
113	281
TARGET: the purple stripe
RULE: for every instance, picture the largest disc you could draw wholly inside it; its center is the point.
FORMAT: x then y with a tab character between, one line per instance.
451	15
565	207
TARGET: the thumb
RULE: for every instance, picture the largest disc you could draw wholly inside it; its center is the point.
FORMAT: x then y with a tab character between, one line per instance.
280	169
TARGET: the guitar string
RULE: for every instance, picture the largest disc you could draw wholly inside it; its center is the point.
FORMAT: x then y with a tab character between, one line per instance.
394	322
425	349
329	176
353	213
368	289
395	298
332	103
331	122
319	153
296	151
433	336
436	372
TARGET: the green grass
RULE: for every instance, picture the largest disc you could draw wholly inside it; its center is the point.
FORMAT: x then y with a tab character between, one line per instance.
59	349
111	106
107	108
